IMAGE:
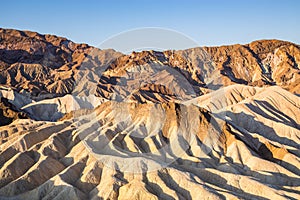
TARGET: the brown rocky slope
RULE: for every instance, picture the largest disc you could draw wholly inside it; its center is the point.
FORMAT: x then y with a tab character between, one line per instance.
204	123
43	66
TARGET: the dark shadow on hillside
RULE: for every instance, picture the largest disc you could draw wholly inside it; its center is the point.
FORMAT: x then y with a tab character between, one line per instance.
45	112
254	143
280	116
252	125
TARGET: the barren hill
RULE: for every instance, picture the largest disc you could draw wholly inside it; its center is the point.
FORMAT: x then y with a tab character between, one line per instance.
204	123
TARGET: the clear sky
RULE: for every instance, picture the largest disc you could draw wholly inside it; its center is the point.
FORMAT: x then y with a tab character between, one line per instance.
209	22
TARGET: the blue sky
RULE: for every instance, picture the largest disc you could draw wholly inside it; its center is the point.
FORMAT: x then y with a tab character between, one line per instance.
210	22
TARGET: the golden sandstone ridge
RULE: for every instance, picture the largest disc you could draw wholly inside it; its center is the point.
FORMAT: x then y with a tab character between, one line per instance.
78	122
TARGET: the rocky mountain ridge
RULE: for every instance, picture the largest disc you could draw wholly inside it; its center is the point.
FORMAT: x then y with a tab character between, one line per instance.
46	65
78	122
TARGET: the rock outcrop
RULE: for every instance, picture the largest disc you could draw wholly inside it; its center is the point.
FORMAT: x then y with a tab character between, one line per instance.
9	113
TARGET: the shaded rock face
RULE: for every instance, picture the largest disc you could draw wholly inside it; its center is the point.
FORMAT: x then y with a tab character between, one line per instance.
9	113
41	65
77	122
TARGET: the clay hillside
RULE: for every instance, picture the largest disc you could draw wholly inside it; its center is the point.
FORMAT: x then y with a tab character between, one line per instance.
78	122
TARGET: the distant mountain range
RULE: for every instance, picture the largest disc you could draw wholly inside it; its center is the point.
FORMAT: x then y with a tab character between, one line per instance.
43	65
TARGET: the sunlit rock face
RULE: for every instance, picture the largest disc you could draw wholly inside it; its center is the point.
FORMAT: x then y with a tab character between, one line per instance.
203	123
